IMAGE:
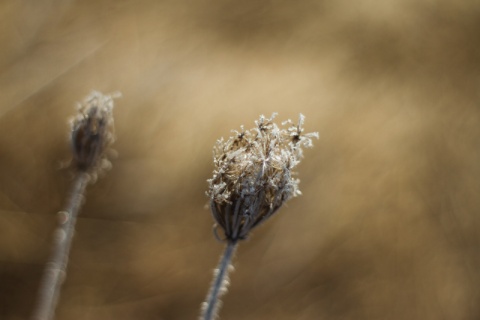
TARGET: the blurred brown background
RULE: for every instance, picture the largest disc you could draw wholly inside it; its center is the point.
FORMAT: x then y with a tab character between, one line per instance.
388	224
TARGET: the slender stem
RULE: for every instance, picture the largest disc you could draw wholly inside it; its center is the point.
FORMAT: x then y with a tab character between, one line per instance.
55	270
219	284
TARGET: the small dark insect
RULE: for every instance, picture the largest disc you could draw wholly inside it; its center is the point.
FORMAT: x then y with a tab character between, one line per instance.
296	138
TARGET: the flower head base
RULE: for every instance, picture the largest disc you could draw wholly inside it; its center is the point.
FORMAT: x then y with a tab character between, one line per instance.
92	132
253	174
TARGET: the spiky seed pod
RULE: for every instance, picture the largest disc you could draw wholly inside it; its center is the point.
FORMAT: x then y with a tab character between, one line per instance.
253	174
92	132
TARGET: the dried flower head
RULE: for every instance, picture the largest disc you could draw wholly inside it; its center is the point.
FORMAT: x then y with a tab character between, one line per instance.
253	174
93	132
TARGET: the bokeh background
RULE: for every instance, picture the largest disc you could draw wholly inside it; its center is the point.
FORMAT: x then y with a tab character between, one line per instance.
387	226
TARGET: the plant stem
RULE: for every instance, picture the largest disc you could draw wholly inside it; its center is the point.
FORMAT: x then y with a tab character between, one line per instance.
55	270
219	284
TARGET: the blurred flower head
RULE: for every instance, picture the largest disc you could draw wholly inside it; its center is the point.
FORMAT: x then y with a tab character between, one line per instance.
253	174
93	133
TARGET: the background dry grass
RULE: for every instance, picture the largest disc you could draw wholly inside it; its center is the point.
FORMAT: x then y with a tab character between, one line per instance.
388	224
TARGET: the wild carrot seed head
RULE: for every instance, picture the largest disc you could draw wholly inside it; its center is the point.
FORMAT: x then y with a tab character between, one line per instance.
253	174
92	132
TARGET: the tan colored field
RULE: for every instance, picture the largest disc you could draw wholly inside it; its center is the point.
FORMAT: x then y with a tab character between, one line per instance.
388	224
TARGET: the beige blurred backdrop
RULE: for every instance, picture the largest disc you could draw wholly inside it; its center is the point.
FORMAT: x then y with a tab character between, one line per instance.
387	226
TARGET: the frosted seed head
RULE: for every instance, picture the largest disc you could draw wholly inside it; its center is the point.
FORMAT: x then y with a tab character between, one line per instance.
252	174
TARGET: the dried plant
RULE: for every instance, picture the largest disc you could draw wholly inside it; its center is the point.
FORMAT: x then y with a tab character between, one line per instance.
252	178
91	137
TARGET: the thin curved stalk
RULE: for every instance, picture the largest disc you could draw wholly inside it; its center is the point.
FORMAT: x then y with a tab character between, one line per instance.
219	285
55	270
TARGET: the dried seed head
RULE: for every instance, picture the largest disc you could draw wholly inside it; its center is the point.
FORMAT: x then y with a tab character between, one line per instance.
92	132
253	175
